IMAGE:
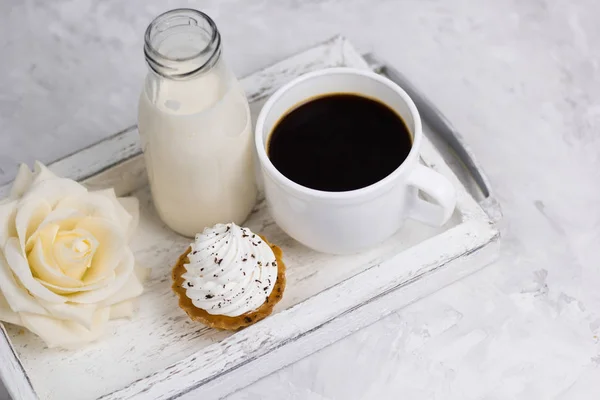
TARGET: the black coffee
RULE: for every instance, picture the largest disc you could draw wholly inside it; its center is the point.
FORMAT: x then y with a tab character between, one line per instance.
339	142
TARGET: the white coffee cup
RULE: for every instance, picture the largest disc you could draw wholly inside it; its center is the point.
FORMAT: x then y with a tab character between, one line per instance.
348	222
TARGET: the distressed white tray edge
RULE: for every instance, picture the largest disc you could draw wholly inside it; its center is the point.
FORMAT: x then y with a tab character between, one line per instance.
12	372
206	371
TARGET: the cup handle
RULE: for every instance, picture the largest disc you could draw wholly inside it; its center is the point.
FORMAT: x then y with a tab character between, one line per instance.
436	186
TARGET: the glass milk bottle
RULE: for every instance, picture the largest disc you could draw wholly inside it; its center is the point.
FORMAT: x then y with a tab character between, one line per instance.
195	126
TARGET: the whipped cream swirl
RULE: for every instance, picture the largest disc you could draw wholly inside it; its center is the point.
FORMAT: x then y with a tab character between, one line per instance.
231	271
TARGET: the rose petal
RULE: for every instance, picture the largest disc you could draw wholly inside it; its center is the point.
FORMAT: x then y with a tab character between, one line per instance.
53	190
22	182
43	264
123	309
57	333
126	209
105	204
16	296
8	211
122	274
8	315
130	290
81	313
110	250
20	267
92	204
124	214
66	219
73	252
41	172
29	216
86	288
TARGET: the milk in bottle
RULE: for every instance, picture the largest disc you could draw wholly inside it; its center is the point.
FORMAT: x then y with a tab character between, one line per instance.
195	126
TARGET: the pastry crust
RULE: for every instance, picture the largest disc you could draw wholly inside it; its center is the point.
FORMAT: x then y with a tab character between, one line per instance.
223	321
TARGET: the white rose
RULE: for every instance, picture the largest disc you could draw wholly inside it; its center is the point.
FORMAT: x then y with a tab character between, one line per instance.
65	264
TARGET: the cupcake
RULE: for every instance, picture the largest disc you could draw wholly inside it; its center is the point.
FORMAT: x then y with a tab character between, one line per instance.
229	277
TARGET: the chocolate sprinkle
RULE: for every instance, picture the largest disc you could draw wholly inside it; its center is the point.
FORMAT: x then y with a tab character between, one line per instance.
209	296
252	255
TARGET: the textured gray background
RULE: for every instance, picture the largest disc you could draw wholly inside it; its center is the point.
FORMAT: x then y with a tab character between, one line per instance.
519	78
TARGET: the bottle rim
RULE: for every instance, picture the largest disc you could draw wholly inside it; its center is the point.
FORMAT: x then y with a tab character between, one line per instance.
172	67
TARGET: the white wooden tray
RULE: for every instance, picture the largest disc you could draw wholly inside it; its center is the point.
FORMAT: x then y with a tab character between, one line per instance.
161	354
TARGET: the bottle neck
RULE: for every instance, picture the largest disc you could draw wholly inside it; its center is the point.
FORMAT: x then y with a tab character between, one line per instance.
193	95
182	43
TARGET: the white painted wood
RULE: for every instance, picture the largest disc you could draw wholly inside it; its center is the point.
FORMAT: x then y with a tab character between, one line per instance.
12	371
161	354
